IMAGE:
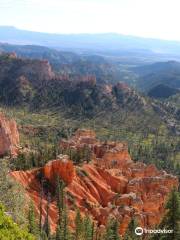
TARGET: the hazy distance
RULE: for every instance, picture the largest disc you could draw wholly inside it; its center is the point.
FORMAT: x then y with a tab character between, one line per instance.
144	18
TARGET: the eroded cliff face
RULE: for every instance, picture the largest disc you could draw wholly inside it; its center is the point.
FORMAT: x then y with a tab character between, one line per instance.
110	185
9	136
33	70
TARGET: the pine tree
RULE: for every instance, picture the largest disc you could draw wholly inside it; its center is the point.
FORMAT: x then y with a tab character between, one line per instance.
93	230
62	232
60	195
58	232
171	220
108	233
79	226
43	235
112	230
130	232
87	154
115	230
46	224
172	217
88	228
32	226
65	224
40	209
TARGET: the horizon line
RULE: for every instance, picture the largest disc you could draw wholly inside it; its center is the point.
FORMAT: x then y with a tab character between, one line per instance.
90	33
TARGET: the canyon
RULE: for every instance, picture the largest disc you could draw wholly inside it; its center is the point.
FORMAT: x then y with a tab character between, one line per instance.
107	184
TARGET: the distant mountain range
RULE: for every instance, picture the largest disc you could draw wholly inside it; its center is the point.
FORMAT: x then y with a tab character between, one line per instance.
101	42
162	79
160	73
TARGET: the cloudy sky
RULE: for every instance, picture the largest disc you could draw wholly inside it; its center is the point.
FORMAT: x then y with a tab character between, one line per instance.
147	18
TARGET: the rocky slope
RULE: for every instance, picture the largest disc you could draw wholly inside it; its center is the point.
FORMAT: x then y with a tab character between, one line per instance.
111	184
9	136
34	84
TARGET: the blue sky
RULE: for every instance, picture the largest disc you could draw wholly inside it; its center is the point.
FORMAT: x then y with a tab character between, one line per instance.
147	18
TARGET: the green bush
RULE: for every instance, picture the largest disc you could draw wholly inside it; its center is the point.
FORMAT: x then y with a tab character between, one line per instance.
10	230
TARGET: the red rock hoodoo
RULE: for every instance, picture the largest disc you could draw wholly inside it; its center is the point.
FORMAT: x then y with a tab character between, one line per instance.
9	136
110	185
62	168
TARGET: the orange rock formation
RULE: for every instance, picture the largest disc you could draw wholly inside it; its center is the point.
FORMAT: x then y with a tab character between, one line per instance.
62	168
110	185
9	136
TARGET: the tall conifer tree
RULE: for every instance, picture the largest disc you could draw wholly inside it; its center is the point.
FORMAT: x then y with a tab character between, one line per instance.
171	220
32	226
130	232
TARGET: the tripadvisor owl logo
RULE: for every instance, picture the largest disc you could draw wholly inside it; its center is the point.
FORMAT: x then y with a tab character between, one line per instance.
140	231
